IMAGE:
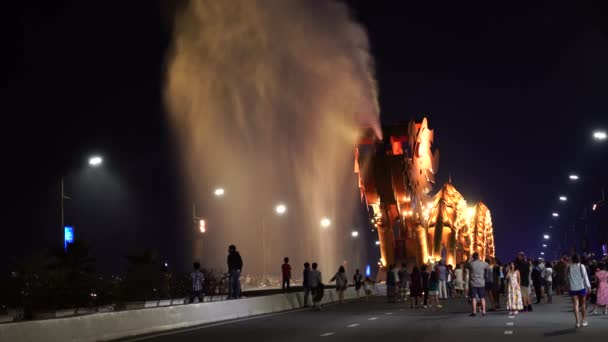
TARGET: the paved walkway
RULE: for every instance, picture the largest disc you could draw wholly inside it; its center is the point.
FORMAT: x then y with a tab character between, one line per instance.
379	320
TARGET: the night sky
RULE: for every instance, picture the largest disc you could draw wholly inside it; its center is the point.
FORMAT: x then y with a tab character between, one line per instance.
512	92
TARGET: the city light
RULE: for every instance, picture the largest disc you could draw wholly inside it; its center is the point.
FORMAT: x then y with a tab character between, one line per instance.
202	226
377	243
542	253
280	209
219	192
95	161
354	233
563	198
546	236
573	177
555	214
594	207
544	245
325	222
599	135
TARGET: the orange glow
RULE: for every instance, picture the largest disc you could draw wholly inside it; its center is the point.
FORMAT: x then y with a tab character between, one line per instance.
201	225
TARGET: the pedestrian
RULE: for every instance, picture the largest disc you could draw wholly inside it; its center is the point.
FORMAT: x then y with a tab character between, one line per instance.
305	282
367	287
497	277
286	271
198	283
514	300
397	283
434	286
341	283
477	270
390	284
488	277
579	286
415	287
450	280
523	267
404	282
358	281
602	287
549	283
235	266
537	281
459	280
425	285
442	270
316	286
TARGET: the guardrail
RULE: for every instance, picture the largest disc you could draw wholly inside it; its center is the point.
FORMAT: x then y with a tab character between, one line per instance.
119	324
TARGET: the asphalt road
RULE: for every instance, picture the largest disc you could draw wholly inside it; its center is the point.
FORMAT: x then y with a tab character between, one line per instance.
357	320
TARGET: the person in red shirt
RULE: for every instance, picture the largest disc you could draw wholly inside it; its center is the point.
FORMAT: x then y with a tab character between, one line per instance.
286	270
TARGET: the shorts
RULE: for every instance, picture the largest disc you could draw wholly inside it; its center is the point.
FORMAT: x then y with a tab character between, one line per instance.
433	293
579	293
525	291
477	292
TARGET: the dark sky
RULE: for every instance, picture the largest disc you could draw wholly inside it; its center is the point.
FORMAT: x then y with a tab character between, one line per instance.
512	92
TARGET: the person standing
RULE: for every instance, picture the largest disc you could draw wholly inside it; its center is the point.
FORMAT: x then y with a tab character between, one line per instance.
235	265
602	288
367	287
577	277
434	290
390	284
488	276
286	271
441	270
459	280
549	283
537	281
514	302
524	276
425	275
358	281
198	283
477	269
404	281
341	283
305	282
316	286
497	275
415	287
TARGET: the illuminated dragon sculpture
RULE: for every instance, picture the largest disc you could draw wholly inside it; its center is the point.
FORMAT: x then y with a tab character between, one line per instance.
395	178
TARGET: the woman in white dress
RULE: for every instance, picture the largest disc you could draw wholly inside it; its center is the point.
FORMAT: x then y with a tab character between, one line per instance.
514	301
458	280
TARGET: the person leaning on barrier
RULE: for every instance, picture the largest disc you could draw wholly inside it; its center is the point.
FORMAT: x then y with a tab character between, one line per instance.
198	283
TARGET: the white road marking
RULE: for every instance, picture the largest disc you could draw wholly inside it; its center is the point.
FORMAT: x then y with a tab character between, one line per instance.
352	325
388	313
508	332
327	334
373	318
510	323
511	317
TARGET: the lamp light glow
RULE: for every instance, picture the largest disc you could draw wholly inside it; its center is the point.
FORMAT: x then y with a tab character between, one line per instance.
280	209
546	236
354	233
599	135
563	198
219	192
555	214
325	222
95	161
573	177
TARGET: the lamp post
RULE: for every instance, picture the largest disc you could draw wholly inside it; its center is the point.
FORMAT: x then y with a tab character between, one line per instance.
280	209
94	161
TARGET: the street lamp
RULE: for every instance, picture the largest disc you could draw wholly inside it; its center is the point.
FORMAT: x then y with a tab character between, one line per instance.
219	192
599	135
542	253
354	233
377	243
280	209
325	222
555	214
544	245
95	161
563	198
546	237
573	177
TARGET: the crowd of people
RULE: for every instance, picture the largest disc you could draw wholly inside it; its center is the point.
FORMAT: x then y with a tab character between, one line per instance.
519	283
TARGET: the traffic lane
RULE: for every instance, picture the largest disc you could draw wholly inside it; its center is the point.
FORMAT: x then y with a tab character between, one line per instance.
351	320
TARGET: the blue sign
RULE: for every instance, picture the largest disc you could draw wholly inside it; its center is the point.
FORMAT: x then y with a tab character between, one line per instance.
68	236
368	271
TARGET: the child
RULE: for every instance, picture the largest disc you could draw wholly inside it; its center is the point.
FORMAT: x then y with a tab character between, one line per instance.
434	290
367	287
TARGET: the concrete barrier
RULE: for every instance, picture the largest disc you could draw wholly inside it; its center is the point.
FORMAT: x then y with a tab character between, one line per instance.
112	325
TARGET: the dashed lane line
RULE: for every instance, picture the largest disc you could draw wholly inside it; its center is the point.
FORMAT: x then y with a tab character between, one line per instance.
352	325
327	334
508	332
372	318
510	323
511	317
